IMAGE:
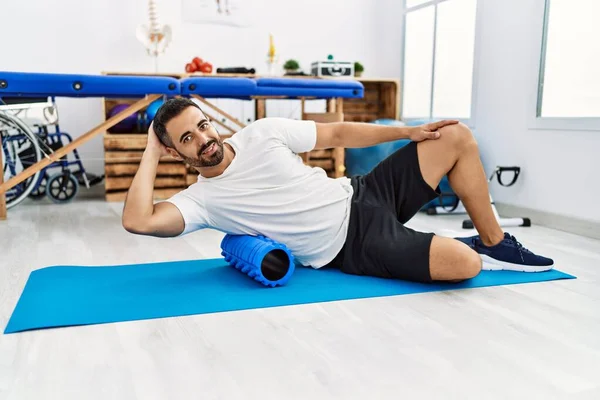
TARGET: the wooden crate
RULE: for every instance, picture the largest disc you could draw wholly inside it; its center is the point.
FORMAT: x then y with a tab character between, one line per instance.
381	100
122	156
330	160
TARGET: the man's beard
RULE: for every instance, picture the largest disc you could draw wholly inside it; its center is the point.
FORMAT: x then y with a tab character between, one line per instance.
206	161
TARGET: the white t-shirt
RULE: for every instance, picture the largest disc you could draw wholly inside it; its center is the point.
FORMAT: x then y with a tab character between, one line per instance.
267	190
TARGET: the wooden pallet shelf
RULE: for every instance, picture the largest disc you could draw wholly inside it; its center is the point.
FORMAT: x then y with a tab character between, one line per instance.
122	156
131	169
381	100
124	182
123	141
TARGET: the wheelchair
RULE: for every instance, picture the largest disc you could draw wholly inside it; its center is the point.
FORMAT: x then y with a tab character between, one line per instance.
25	143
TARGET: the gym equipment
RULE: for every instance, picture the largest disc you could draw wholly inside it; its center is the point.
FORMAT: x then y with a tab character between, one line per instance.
262	259
459	208
62	296
147	89
152	109
128	125
504	222
236	70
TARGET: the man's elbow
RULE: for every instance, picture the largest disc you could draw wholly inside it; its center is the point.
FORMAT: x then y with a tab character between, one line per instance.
133	226
148	228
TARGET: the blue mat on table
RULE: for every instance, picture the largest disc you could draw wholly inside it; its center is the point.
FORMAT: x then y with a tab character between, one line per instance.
78	295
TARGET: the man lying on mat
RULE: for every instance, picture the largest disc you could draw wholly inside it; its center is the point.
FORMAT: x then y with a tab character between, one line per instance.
254	183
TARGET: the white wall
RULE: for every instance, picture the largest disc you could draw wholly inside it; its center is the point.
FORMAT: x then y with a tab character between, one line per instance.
388	40
74	36
558	173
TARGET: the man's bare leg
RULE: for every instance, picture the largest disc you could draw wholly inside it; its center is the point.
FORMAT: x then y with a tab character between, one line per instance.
456	154
451	260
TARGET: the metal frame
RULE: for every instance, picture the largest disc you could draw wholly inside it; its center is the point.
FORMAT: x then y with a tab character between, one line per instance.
468	121
537	121
25	106
542	65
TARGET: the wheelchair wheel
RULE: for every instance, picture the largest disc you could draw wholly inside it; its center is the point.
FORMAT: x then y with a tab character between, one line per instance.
62	187
40	192
20	149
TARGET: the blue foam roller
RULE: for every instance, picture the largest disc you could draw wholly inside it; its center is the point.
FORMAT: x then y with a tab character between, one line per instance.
264	260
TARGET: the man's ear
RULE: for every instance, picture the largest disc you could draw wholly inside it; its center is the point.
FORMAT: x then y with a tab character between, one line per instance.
174	154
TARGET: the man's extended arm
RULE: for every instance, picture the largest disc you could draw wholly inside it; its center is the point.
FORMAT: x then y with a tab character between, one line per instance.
140	214
358	134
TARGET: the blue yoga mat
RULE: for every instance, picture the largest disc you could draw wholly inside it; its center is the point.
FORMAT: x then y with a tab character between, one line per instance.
78	295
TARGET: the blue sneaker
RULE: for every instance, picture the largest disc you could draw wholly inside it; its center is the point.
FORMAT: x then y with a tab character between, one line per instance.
469	240
509	255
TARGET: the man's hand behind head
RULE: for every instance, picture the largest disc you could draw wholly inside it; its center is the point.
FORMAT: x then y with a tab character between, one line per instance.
154	144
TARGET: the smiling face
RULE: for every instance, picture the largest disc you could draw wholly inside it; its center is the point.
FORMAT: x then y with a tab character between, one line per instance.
194	139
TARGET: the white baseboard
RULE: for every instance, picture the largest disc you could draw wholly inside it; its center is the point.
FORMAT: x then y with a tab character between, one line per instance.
555	221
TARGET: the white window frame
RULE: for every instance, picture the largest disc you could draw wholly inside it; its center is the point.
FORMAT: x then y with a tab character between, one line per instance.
475	76
552	123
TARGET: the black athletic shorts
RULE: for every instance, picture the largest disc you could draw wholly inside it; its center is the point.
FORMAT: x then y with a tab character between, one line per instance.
378	243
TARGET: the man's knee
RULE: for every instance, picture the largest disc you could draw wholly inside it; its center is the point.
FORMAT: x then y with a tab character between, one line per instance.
471	266
451	260
460	137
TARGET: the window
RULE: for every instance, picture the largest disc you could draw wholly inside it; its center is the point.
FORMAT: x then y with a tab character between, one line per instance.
569	82
413	3
439	43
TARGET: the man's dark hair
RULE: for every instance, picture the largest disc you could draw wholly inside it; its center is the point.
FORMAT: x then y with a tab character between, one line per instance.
169	110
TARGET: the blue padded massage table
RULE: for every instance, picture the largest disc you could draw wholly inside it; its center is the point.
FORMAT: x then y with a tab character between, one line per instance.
248	88
226	87
23	84
314	88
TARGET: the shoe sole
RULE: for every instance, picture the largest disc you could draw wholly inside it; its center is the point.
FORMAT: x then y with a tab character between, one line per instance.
490	264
